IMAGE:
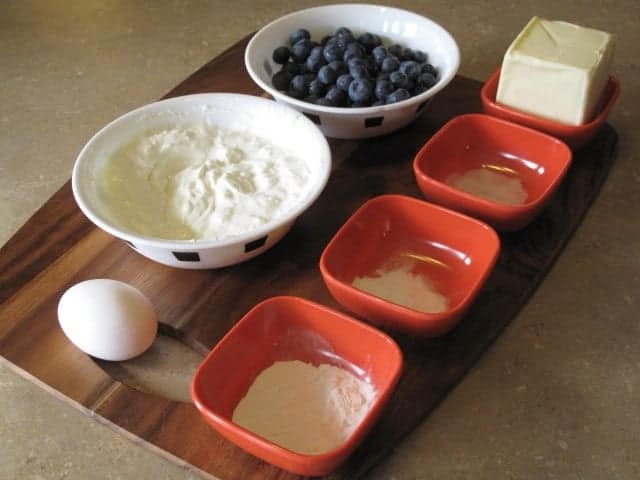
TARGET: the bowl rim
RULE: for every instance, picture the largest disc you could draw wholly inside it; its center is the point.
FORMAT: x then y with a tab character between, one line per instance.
262	443
412	318
605	104
316	187
359	111
488	207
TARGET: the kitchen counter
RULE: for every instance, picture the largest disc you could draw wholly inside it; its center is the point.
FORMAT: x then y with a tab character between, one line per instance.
557	394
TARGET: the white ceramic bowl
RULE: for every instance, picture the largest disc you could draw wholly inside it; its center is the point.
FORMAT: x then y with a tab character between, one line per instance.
393	26
267	119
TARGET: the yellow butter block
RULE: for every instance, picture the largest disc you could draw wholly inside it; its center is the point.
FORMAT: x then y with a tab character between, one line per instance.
556	70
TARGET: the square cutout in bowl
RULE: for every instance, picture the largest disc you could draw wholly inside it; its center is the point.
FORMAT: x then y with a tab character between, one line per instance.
408	264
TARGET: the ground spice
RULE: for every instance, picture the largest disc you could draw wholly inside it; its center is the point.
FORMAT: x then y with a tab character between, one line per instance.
398	284
304	408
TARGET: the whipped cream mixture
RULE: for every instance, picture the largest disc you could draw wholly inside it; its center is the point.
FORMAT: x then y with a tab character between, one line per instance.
200	182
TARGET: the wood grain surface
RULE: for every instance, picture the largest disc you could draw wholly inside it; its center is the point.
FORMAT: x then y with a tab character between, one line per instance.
59	247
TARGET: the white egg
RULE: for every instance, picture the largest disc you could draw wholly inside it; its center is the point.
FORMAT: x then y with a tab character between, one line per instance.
108	319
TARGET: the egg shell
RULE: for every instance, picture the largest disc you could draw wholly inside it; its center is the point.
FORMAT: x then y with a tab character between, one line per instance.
107	319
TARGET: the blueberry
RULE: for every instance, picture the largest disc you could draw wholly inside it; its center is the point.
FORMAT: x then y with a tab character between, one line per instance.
300	51
331	41
316	51
397	96
369	41
332	52
345	36
343	31
316	88
390	64
336	96
325	102
356	61
358	69
344	71
314	64
378	103
360	90
395	50
427	79
407	54
344	81
355	47
300	83
339	67
307	42
343	41
298	35
410	68
428	68
348	55
281	80
302	68
296	94
367	64
327	75
399	80
292	68
418	89
281	55
419	56
372	66
383	89
379	54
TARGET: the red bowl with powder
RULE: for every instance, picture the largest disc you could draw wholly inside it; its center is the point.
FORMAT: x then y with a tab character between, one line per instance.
497	171
279	331
409	265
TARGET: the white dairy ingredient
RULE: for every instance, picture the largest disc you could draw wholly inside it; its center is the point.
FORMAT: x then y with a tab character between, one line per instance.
200	182
494	186
398	284
304	408
556	70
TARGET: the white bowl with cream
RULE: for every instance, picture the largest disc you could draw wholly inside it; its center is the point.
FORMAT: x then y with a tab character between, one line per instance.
202	181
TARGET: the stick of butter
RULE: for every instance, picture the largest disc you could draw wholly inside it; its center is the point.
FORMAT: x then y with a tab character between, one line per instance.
556	70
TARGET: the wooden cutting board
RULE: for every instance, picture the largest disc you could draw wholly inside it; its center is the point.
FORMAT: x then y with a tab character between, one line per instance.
59	247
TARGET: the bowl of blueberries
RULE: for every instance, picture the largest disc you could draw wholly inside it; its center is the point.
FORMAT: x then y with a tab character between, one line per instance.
355	70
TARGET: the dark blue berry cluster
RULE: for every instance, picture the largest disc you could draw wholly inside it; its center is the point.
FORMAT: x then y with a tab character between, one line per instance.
345	70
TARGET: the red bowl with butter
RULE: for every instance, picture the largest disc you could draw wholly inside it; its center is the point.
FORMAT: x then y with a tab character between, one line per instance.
409	265
494	170
574	136
282	329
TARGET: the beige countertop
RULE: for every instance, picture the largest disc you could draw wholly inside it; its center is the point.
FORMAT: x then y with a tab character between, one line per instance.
556	396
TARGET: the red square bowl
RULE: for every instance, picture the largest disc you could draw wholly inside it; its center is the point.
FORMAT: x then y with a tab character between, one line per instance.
290	328
409	265
572	135
494	151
